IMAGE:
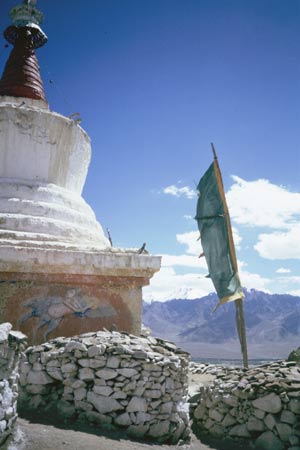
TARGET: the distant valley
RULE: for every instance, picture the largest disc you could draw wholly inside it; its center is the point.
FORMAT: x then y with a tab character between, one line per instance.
272	322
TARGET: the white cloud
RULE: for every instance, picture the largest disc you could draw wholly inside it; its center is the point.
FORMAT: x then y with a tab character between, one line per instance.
283	270
257	203
192	241
184	261
280	245
290	280
184	191
242	264
287	282
188	217
260	203
237	238
166	285
295	292
254	281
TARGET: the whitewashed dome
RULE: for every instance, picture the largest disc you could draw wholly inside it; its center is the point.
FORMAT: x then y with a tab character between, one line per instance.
44	158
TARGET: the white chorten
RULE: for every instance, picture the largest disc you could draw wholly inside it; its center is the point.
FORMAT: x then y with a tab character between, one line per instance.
59	274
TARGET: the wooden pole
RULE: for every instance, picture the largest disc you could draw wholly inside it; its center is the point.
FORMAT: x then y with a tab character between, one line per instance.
240	319
240	323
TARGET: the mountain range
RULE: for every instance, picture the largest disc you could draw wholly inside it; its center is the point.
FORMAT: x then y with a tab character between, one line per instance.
272	325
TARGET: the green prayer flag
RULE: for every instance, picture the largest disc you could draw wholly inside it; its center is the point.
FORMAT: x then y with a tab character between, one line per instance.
216	236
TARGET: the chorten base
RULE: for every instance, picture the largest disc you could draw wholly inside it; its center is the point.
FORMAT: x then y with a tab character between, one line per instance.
80	293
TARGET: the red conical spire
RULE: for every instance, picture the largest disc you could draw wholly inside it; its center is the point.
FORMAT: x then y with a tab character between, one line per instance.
21	76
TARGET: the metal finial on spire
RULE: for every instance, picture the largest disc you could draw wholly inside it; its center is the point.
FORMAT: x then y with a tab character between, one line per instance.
26	15
21	76
30	2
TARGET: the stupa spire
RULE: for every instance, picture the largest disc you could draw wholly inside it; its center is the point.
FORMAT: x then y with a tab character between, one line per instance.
21	76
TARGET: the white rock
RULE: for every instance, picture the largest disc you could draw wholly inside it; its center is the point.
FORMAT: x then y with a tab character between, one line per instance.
119	395
78	384
137	431
3	424
96	350
284	431
270	421
45	356
294	406
166	408
56	374
73	345
159	429
2	413
103	404
294	440
230	400
36	388
84	362
268	441
142	417
69	368
288	417
128	373
215	415
239	431
180	428
66	409
139	392
86	374
255	424
53	363
107	374
103	390
113	362
123	420
100	382
259	413
37	366
80	394
228	421
217	430
137	404
96	363
84	406
151	393
270	403
5	328
40	377
130	386
93	416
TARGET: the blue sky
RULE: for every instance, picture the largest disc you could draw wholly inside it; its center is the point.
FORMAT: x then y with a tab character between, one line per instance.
156	81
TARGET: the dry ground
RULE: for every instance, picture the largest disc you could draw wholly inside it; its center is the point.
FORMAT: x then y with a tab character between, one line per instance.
48	437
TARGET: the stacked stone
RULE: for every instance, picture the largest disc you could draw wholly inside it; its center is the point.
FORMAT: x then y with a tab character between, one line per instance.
261	404
208	369
112	379
12	343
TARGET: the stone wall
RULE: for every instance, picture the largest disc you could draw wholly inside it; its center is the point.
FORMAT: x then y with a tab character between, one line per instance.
112	379
11	344
261	404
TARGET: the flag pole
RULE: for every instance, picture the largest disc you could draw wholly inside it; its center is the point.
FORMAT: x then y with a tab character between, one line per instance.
240	319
